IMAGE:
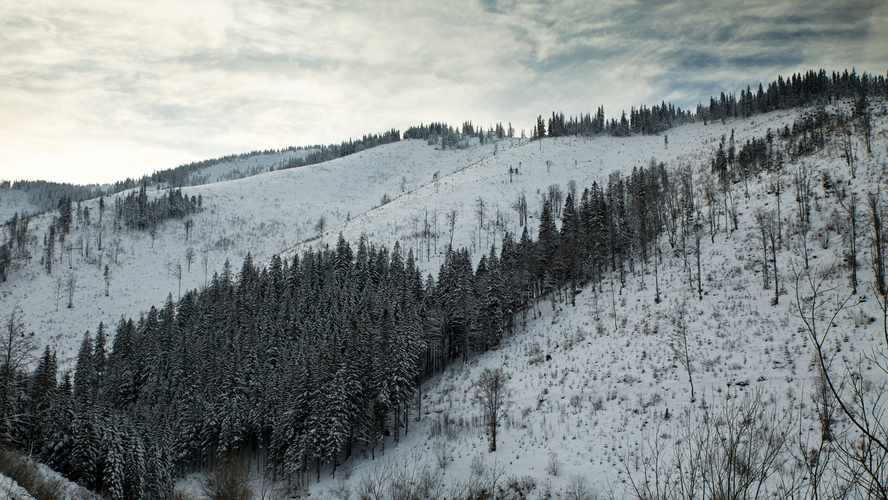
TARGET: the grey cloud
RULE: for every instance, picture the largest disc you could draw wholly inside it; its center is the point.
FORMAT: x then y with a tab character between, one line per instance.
245	75
765	60
488	5
575	57
696	61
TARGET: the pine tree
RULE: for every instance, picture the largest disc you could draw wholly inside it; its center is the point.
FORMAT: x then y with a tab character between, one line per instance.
158	482
569	248
85	446
100	359
134	466
49	247
547	244
57	447
42	394
113	478
85	372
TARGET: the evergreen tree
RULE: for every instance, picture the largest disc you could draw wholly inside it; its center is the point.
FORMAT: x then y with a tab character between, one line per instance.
85	447
85	372
113	477
134	466
100	358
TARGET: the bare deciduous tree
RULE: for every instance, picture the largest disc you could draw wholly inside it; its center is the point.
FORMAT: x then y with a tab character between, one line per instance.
107	275
118	246
189	227
678	344
229	480
480	210
189	257
152	230
71	284
451	225
59	283
848	200
863	451
176	271
205	263
802	182
492	394
738	449
766	222
15	353
520	206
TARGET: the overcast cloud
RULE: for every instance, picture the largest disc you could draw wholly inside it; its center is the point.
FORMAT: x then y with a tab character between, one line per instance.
95	91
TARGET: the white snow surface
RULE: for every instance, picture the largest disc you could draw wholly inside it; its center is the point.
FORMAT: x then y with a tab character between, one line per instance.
239	168
11	490
13	201
588	386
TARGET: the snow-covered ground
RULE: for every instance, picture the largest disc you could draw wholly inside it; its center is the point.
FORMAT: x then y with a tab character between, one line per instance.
11	490
263	215
592	390
591	384
248	166
12	201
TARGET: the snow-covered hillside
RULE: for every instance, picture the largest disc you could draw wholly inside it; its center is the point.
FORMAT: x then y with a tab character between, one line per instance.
276	212
596	390
595	386
13	201
262	215
248	166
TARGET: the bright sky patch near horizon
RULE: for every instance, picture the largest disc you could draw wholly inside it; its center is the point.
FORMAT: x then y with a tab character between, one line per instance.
97	91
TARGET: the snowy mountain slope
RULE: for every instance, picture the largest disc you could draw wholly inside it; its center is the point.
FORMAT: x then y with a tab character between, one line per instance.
590	386
263	214
583	161
272	212
246	167
237	167
11	490
595	389
14	201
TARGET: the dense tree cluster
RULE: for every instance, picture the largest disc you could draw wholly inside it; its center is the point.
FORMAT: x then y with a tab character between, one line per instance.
16	245
439	133
799	90
137	211
656	119
46	195
448	136
804	89
334	151
644	120
93	444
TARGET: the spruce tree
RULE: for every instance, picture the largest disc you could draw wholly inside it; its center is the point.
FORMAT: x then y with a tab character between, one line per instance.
85	372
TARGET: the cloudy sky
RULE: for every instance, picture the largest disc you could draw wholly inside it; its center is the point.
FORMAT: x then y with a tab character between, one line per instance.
99	90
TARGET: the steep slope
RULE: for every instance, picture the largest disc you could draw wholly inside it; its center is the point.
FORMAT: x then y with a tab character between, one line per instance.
263	215
270	213
596	390
540	164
